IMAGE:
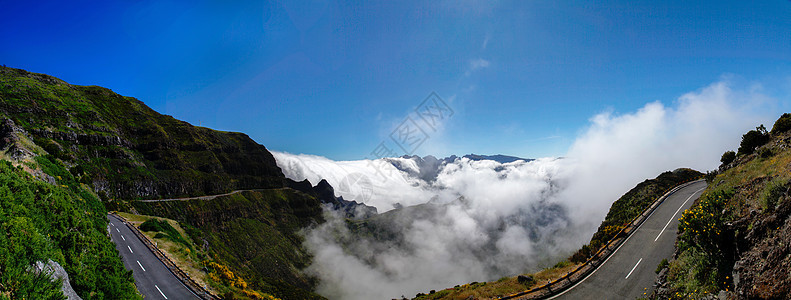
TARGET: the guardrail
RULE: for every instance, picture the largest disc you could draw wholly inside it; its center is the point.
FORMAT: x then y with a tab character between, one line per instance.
561	284
182	276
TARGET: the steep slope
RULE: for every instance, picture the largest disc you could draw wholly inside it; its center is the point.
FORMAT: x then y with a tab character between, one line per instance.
734	240
255	233
124	151
64	223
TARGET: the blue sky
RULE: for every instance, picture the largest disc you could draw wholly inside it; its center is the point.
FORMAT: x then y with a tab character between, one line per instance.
334	79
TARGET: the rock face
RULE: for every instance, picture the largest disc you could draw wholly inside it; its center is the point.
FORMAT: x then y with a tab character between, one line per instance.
326	194
11	136
57	273
764	264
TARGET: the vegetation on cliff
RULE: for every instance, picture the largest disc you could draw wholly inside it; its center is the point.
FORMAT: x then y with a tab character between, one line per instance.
114	150
256	233
124	149
63	222
630	205
734	239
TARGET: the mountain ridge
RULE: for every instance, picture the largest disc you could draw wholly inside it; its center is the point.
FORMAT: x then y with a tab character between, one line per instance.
121	150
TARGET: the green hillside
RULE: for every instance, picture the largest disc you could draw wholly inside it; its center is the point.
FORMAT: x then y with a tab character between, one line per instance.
108	151
124	149
63	222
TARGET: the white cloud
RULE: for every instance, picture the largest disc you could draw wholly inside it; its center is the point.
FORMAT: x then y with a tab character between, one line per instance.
517	217
477	64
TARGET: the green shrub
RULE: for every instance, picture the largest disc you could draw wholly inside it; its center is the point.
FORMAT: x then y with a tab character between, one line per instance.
662	265
702	265
165	229
68	225
772	192
728	157
562	264
752	140
152	225
765	153
710	176
782	124
693	274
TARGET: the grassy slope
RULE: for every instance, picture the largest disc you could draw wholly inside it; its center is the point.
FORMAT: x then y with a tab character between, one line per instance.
735	214
122	149
257	232
63	222
175	243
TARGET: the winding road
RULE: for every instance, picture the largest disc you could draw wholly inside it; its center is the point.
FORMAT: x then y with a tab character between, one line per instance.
152	278
629	273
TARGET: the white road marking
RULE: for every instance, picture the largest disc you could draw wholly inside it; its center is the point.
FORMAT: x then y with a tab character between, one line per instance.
608	258
112	224
117	230
674	214
635	267
141	266
122	236
130	249
160	291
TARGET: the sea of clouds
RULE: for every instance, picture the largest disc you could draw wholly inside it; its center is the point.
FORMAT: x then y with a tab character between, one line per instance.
487	220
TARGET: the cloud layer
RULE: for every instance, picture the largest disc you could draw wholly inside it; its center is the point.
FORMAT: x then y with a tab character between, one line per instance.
488	220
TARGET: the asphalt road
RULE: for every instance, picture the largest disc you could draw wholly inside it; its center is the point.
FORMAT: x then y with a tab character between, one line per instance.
152	278
629	272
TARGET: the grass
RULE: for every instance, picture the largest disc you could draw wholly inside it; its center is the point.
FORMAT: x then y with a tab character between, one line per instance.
255	234
705	246
503	286
183	255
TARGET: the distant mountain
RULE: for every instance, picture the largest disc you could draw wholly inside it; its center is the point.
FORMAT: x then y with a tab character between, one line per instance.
503	159
428	167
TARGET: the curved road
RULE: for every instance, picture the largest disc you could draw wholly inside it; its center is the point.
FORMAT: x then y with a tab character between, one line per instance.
152	278
629	272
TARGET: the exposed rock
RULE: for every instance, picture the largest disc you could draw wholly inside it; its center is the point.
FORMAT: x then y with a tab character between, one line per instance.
84	139
326	194
10	136
57	272
764	264
525	279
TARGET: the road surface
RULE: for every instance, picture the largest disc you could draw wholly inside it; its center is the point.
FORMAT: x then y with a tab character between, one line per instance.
629	272
152	278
